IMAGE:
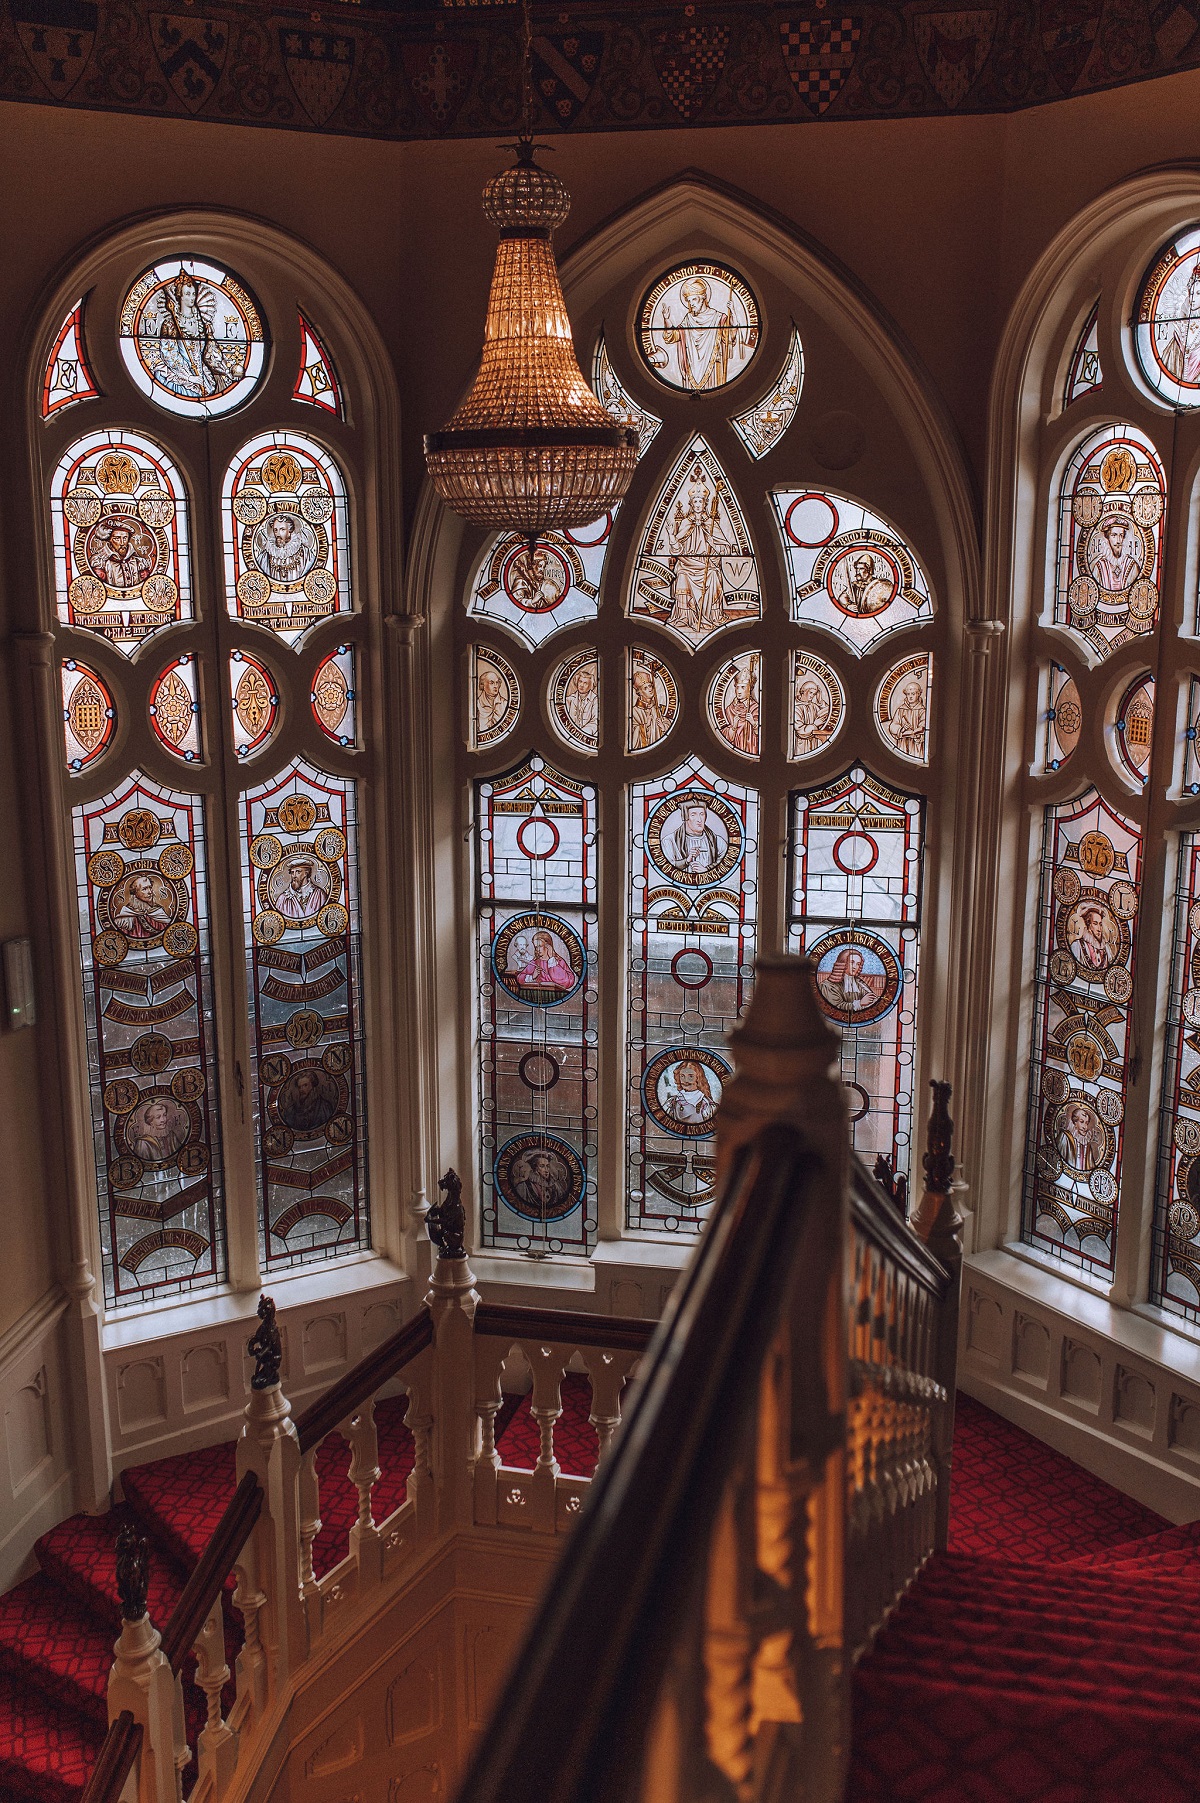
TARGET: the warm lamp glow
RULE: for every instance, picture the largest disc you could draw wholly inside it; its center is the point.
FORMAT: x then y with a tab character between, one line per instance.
530	448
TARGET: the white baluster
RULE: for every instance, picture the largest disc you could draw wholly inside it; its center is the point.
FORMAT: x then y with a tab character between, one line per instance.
251	1663
310	1527
366	1542
548	1366
216	1745
489	1398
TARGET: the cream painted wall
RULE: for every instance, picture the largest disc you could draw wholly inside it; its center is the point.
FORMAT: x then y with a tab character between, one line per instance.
940	219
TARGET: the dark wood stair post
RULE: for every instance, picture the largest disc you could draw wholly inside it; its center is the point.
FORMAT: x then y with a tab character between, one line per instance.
937	1221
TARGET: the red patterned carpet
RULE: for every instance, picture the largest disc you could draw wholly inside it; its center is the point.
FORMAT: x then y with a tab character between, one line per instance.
57	1628
1045	1657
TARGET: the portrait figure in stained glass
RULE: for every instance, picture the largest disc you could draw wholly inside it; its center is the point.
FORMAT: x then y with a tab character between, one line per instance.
156	1129
539	1176
1111	509
733	703
818	704
851	571
1093	936
698	327
682	1089
1167	331
142	906
308	1098
694	838
285	549
191	337
120	551
496	696
696	570
653	701
574	696
857	978
1080	1138
902	707
299	887
538	959
862	580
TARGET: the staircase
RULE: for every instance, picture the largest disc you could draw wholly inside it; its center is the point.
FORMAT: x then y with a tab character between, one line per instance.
57	1628
1045	1657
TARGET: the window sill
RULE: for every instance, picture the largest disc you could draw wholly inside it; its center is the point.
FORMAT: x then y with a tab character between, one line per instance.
1140	1330
296	1289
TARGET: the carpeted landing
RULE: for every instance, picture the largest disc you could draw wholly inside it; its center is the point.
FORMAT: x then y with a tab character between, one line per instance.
1045	1658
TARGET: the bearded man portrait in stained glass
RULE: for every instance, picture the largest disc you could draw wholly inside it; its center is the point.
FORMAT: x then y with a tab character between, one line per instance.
285	549
121	553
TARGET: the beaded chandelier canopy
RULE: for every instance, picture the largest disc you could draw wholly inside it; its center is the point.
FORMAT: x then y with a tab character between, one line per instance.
530	448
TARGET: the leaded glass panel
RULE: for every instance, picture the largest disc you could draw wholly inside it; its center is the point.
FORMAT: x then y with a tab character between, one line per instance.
254	704
495	698
148	1006
120	524
818	705
333	697
698	327
762	426
733	703
1191	741
536	952
616	400
854	907
1110	539
192	338
316	380
1087	924
287	552
89	714
1175	1277
1063	719
536	593
1085	373
175	709
67	378
304	952
652	705
573	697
1167	325
693	906
850	571
695	571
902	707
1134	726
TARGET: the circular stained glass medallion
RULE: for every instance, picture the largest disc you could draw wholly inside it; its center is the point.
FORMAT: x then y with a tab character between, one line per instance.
1134	726
1167	323
698	327
192	338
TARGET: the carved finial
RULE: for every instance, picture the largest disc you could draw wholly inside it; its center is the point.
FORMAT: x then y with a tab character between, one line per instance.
265	1347
894	1188
938	1162
133	1572
446	1220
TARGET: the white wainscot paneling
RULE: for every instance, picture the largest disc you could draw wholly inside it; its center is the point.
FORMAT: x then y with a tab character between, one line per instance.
36	1488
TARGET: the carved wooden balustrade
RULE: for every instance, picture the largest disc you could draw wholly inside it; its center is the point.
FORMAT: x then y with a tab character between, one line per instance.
781	1476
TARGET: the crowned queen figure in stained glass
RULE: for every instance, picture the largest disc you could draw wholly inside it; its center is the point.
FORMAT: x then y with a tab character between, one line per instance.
1167	328
192	338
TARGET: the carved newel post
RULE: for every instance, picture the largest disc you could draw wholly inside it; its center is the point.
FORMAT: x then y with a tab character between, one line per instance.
452	1300
939	1224
141	1679
268	1447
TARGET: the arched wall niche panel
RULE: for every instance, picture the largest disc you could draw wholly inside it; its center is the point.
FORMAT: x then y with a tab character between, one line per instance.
869	426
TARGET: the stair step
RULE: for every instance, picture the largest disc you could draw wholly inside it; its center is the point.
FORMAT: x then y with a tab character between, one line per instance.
46	1753
80	1555
56	1648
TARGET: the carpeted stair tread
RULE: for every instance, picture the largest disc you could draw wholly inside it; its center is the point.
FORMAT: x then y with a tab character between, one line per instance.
56	1647
1075	1672
576	1445
46	1752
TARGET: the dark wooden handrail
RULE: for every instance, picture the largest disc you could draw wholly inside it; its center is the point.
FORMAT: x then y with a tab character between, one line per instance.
122	1744
875	1216
564	1326
363	1379
571	1722
213	1567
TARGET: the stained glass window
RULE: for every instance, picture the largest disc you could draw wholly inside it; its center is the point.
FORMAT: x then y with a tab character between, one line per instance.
818	705
1134	726
1176	1263
253	702
67	378
536	947
333	697
175	709
616	399
1109	539
148	1004
695	571
902	707
1063	717
652	699
850	571
1085	373
316	380
698	327
119	517
536	593
573	695
1191	741
192	338
854	907
89	714
1167	325
287	554
762	426
495	697
300	885
693	905
733	703
1087	922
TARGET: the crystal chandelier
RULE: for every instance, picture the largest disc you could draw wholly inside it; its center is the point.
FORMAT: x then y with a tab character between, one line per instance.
530	448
